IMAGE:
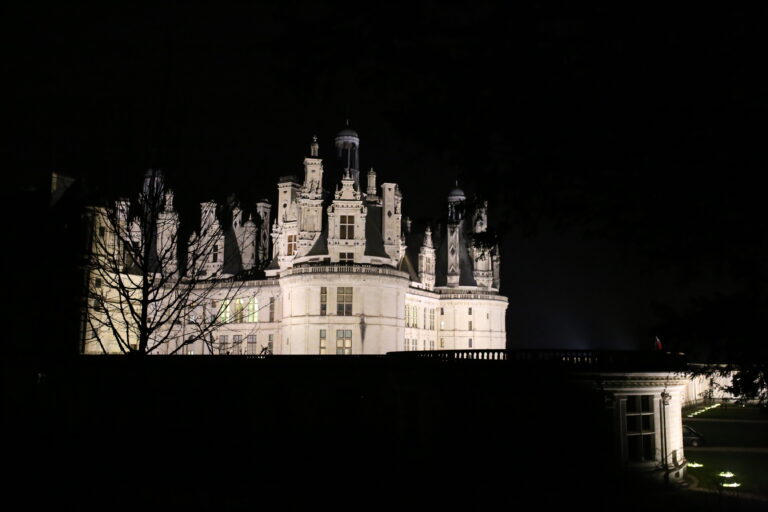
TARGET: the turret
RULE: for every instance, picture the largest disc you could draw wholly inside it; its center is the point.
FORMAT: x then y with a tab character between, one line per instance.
427	261
263	209
392	215
167	236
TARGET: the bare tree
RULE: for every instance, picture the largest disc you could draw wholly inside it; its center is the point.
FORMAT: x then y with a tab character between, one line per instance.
143	297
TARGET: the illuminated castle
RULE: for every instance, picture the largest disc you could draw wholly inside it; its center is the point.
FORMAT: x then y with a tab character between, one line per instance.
346	273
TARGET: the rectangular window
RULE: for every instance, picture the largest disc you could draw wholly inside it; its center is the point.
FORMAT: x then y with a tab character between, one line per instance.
323	301
224	311
347	225
442	342
432	319
271	309
291	245
470	325
250	340
470	311
343	342
470	342
442	312
270	338
424	325
344	301
640	428
407	316
223	344
102	231
215	255
252	313
97	283
239	311
323	342
346	257
431	344
237	341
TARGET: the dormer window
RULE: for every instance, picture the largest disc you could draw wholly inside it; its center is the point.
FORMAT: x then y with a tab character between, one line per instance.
347	225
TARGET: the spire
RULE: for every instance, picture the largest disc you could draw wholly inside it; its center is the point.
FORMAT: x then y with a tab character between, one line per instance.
371	191
314	149
427	238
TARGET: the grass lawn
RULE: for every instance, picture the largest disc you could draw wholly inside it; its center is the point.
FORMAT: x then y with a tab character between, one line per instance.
729	411
750	469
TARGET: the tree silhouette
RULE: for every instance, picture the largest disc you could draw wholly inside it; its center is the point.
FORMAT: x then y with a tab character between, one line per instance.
142	297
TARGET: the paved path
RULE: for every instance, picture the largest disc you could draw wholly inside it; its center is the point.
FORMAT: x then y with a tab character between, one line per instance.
719	420
739	449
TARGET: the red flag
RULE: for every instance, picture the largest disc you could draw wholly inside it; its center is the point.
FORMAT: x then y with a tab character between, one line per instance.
658	343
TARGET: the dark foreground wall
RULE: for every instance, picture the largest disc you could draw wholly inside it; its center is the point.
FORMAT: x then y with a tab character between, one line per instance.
220	432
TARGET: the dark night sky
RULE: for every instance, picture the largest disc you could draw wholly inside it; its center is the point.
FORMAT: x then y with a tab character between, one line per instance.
621	150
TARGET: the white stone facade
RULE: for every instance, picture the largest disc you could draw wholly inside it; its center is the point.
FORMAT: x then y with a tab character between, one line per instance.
340	271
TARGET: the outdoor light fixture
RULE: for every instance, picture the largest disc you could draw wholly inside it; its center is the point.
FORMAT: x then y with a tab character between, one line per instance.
725	474
695	465
730	484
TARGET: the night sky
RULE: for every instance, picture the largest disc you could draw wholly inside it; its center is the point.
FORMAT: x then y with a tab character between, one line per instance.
621	150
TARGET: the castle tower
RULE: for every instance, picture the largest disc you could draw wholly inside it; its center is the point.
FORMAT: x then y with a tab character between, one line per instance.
456	200
348	153
167	236
427	261
263	209
310	201
392	215
370	192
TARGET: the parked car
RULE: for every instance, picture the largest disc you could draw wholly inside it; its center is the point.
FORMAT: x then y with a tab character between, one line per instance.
691	437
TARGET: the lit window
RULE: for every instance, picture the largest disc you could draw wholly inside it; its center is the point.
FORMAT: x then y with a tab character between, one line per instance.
252	314
224	311
323	342
239	309
346	257
291	245
323	301
343	342
344	301
347	225
640	428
